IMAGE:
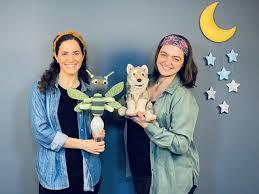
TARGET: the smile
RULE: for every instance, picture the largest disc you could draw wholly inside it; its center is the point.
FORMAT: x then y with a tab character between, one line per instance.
167	67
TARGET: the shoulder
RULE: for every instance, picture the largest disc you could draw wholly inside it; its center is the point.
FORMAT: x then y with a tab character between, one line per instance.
35	91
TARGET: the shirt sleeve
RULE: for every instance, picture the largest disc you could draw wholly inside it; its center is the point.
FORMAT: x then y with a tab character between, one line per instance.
44	134
180	133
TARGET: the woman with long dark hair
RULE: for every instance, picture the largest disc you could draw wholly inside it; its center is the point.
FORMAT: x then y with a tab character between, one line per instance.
162	157
67	158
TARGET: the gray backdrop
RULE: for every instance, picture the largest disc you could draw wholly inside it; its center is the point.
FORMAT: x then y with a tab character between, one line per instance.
121	32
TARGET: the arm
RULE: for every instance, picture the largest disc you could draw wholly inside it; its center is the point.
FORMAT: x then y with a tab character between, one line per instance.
44	134
88	145
180	134
51	138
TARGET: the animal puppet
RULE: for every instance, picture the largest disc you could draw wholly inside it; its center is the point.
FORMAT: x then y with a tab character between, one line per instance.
137	97
99	102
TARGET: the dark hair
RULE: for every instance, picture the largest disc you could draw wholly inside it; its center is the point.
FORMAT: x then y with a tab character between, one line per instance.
48	79
189	70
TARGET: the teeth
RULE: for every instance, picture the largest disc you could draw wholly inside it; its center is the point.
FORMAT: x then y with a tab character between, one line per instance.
165	67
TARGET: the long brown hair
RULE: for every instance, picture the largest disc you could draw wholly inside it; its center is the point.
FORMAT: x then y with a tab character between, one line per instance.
189	70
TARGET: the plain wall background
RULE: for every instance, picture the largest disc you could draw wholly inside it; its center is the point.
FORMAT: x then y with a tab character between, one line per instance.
122	32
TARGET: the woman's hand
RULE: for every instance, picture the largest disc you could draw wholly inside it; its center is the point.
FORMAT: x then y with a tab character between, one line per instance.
140	119
93	146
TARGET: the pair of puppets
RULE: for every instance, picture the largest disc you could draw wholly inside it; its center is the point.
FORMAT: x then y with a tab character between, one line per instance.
137	97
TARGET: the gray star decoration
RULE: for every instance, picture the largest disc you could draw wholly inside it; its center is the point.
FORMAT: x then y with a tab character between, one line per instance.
224	107
232	86
223	74
210	59
211	93
232	56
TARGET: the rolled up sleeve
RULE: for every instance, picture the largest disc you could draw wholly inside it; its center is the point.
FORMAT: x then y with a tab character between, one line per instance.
44	134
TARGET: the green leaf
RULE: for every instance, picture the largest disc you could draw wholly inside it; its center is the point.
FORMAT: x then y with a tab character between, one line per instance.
76	94
116	89
77	108
115	104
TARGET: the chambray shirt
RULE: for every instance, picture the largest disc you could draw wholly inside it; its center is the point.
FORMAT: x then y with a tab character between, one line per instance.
50	159
174	158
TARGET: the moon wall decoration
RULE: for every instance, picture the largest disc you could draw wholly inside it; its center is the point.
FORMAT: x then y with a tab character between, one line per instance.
210	29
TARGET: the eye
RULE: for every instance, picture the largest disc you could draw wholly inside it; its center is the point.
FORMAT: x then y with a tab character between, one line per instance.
176	59
143	74
162	54
95	81
134	74
105	82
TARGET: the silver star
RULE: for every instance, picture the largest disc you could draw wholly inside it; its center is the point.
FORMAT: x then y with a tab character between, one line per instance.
210	59
232	86
224	107
232	56
211	93
223	74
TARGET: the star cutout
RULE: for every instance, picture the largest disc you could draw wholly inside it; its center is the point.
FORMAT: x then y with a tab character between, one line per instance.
232	86
210	59
232	56
223	74
224	107
211	93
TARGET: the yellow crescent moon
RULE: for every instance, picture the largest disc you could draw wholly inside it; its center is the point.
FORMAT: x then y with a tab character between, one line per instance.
210	29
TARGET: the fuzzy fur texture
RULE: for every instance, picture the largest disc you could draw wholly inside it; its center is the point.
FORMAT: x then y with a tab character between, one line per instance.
137	97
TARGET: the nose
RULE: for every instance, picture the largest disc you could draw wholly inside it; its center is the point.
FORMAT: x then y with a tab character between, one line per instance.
139	80
70	58
101	82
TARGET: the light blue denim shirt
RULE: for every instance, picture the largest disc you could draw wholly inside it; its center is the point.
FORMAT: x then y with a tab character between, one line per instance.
174	158
50	159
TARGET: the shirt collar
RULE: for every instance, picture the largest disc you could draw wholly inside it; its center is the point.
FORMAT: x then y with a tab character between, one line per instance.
173	85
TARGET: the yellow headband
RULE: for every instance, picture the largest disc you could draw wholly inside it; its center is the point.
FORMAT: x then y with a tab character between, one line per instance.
73	33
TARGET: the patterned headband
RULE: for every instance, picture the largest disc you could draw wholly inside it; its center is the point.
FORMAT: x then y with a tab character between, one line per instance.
177	41
73	33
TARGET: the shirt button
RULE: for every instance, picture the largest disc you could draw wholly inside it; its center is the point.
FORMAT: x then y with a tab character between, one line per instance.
82	130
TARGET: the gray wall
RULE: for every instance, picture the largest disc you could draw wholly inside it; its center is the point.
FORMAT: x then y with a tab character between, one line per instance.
121	32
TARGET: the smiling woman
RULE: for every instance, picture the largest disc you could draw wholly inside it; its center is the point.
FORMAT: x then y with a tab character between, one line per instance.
162	156
67	158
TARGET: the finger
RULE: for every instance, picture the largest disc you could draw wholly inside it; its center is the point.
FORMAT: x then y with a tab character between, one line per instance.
101	143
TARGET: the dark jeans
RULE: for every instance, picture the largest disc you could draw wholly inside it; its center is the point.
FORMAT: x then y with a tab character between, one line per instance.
70	190
142	185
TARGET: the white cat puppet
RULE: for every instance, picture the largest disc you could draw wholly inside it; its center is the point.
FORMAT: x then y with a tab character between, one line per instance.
137	97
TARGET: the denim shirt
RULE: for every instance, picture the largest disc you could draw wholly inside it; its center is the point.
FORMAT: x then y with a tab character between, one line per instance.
174	158
50	159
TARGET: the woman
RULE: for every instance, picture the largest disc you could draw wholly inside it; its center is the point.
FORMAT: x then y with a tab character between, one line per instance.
169	163
67	157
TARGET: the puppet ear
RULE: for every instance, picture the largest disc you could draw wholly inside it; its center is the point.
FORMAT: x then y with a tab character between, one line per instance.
129	68
145	68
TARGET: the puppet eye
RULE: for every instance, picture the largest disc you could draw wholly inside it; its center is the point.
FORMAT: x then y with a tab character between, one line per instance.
134	74
105	82
143	74
95	81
